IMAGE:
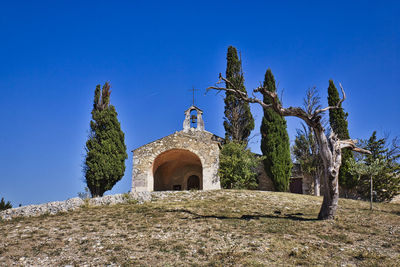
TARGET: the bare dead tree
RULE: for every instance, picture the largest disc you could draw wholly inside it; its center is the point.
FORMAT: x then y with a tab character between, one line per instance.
330	148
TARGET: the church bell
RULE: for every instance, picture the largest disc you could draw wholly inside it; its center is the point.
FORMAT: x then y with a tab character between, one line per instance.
193	118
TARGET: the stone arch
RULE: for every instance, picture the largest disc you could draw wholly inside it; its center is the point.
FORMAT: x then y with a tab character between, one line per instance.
172	169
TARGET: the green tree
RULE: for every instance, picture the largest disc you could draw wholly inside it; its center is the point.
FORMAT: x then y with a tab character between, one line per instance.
381	166
5	205
237	166
275	141
238	121
305	148
338	122
105	149
367	172
306	152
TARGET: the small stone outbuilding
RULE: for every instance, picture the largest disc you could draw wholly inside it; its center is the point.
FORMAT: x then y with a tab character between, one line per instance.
184	160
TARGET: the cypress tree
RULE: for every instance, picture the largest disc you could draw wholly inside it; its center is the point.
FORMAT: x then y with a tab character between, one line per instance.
275	141
238	121
338	122
105	149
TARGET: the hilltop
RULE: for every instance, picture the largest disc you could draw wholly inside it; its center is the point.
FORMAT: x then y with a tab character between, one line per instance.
218	228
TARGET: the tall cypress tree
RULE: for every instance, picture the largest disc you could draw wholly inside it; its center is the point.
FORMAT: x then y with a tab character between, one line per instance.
275	141
338	122
238	121
105	149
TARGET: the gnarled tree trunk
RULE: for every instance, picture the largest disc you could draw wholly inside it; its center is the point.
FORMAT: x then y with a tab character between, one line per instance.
331	176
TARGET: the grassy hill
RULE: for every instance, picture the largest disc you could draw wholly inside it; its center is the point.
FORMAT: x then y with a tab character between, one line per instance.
219	228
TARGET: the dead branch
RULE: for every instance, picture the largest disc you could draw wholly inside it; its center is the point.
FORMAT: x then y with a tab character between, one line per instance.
338	105
241	94
350	143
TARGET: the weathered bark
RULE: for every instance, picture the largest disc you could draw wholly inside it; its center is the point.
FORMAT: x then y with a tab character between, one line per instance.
331	176
318	171
329	149
317	185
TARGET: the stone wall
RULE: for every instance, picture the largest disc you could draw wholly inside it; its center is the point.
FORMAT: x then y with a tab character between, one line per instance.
264	182
72	204
203	144
396	199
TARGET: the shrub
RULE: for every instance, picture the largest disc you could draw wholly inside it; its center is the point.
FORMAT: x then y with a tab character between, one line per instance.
237	166
5	205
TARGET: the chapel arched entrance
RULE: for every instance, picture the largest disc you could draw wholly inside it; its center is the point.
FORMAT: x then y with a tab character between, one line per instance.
177	169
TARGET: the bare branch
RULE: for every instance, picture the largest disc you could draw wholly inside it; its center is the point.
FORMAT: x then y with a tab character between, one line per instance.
361	150
276	104
338	105
344	95
350	143
241	94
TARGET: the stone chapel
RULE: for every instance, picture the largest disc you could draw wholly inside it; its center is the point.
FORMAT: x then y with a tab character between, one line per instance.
184	160
189	159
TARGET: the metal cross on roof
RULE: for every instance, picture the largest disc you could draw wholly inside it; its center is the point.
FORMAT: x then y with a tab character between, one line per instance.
193	90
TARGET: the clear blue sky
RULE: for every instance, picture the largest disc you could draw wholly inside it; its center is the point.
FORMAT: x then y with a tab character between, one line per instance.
53	53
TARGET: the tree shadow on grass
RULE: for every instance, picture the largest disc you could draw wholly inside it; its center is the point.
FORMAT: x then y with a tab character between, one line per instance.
395	212
377	210
247	217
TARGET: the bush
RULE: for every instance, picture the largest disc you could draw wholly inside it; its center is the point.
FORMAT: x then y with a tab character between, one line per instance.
4	205
382	166
237	166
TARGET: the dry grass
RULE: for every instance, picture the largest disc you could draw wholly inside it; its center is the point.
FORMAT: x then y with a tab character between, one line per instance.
219	228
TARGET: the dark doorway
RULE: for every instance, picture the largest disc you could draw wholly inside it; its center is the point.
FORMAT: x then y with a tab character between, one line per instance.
296	185
193	182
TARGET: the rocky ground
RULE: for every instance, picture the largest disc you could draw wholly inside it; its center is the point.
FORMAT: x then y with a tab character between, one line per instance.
396	199
220	228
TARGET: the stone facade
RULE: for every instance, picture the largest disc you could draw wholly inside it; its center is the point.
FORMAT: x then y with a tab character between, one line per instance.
307	181
299	182
264	182
188	159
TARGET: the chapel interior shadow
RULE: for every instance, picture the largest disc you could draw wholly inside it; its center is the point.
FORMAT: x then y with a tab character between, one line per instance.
177	169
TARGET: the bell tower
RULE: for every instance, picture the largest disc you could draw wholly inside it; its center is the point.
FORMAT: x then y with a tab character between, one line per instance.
193	117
